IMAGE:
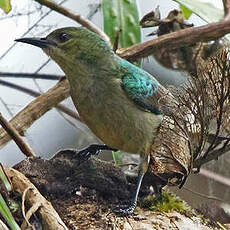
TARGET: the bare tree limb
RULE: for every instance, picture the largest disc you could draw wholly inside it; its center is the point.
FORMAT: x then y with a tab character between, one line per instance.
216	177
13	133
34	93
31	75
36	109
211	156
177	39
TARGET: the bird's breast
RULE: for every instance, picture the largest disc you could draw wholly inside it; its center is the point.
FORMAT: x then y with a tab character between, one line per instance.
114	118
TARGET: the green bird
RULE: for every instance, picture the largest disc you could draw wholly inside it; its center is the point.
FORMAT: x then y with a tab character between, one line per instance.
113	97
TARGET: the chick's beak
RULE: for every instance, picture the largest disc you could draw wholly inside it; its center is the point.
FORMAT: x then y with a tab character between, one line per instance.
39	42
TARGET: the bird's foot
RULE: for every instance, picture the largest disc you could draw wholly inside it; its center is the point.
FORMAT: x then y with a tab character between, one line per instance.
125	210
86	153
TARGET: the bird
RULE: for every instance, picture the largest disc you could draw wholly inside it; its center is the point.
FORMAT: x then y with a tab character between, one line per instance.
113	97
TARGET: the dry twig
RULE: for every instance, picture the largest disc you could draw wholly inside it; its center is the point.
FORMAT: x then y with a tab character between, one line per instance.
13	133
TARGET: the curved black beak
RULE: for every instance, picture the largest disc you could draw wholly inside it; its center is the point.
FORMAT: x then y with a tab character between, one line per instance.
39	42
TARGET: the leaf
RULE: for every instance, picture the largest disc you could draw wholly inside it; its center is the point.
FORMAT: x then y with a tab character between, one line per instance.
121	15
4	179
5	5
205	10
5	212
186	11
117	157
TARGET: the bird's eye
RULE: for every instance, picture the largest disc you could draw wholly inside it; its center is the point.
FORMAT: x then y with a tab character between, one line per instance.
63	37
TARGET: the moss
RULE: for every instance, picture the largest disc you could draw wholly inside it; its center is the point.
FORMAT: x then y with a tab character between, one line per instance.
167	202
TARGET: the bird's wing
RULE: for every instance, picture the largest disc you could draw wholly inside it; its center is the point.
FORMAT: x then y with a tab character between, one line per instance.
140	87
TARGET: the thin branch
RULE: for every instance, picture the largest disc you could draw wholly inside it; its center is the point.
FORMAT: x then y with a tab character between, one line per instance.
76	17
36	109
203	195
31	75
214	176
43	65
13	133
6	107
33	93
211	156
20	88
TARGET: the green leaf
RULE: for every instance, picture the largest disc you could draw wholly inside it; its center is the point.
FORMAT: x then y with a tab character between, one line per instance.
5	212
187	12
117	157
4	179
121	15
205	10
5	5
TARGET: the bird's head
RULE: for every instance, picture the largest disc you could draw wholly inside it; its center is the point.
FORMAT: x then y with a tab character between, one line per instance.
71	45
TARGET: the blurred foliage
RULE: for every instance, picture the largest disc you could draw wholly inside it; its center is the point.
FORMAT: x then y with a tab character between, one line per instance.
121	15
5	5
4	179
205	10
5	212
186	11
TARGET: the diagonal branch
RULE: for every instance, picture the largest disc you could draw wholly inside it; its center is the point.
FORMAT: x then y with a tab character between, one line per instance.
42	76
211	156
13	133
177	39
36	109
34	93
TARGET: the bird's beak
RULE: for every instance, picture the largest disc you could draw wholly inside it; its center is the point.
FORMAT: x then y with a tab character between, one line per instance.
39	42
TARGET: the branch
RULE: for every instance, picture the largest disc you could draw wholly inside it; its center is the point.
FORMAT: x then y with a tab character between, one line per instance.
214	176
31	75
34	93
177	39
36	109
111	185
211	156
76	17
13	133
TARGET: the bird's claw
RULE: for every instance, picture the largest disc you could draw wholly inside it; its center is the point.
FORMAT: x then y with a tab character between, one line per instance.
125	210
85	154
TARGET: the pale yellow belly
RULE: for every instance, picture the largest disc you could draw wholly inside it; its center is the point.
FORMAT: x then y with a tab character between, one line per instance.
121	126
